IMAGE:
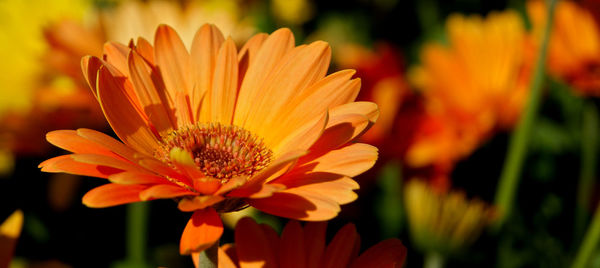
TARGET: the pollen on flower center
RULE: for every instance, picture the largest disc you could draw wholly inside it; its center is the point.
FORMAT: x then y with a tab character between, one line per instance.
220	152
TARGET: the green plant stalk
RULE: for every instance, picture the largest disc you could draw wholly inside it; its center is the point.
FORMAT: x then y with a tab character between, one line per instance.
209	258
509	178
589	151
590	242
137	231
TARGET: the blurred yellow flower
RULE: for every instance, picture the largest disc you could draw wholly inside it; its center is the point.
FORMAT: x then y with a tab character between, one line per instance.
574	48
42	88
22	45
10	230
444	222
294	12
473	86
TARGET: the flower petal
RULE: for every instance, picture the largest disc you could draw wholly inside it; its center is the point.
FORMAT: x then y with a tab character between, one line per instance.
302	137
248	53
314	242
296	72
173	60
116	55
123	117
90	66
70	141
132	177
291	251
202	231
253	246
225	84
389	253
111	194
270	53
205	48
153	101
198	202
305	206
351	160
335	187
108	143
334	90
340	249
164	191
256	185
66	164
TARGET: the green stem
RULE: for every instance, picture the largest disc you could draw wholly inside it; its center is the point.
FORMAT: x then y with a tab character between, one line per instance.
509	179
589	151
137	231
433	260
590	242
209	258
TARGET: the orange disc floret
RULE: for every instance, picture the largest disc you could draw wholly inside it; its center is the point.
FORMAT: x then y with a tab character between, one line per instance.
218	129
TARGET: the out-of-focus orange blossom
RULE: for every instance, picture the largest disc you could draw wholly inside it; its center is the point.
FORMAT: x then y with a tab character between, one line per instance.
472	87
574	48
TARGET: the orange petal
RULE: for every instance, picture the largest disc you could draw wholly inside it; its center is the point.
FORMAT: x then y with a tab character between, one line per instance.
164	170
253	247
155	103
301	137
225	84
90	66
345	125
334	90
248	53
291	252
305	206
202	231
270	53
164	191
145	49
350	160
314	242
130	177
66	164
116	55
340	249
111	194
198	202
335	187
389	253
107	161
205	48
123	117
108	143
296	72
172	59
70	141
257	183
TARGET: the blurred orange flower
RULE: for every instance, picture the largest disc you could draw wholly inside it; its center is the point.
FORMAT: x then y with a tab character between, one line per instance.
472	87
219	129
574	48
260	246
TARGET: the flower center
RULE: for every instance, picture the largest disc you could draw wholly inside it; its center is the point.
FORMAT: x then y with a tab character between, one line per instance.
220	152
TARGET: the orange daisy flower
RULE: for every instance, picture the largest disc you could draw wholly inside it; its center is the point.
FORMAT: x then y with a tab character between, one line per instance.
574	46
473	87
260	246
219	129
